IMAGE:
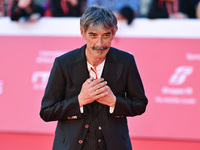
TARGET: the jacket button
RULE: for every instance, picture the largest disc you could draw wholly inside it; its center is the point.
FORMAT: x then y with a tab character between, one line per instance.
99	140
80	141
86	126
100	128
74	117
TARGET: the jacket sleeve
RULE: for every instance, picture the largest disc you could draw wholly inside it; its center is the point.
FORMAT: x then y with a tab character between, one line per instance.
135	102
54	105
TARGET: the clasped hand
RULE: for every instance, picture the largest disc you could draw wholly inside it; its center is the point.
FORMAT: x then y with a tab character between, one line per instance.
96	90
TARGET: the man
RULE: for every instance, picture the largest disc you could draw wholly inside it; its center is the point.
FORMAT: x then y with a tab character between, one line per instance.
91	90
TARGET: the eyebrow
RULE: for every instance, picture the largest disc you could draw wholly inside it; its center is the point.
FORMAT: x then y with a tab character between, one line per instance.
96	33
108	33
91	33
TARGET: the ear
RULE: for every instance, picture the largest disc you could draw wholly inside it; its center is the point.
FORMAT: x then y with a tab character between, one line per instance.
83	34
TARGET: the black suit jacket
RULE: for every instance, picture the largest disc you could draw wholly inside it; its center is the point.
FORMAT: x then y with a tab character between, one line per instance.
60	101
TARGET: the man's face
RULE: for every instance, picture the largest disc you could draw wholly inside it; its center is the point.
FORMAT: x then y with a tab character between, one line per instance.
98	41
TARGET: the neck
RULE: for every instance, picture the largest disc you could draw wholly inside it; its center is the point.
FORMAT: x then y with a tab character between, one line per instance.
92	60
95	62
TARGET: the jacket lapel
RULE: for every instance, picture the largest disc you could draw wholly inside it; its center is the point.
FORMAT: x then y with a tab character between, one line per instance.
112	69
78	70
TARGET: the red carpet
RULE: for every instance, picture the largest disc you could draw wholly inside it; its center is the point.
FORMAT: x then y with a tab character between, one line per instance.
18	141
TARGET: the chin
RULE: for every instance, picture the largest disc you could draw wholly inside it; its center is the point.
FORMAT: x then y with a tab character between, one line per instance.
100	54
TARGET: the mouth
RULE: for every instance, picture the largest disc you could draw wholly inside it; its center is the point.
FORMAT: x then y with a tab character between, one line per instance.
99	48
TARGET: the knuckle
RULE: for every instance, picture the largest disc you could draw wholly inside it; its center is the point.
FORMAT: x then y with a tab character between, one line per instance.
89	90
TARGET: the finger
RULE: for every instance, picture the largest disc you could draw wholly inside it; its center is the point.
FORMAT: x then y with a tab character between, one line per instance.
89	80
99	85
101	95
93	93
101	90
96	81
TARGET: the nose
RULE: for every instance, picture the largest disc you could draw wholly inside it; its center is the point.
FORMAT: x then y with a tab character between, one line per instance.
100	42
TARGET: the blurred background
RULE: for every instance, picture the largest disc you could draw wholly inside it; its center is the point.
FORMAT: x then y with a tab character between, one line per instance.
164	37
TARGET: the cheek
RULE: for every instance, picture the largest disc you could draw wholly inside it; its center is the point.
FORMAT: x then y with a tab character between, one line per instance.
107	42
90	41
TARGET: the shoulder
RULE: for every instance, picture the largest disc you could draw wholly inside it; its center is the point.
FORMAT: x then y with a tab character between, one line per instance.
120	55
119	51
69	54
72	56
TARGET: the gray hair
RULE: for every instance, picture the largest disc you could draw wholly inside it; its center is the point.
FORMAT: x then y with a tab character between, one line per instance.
98	15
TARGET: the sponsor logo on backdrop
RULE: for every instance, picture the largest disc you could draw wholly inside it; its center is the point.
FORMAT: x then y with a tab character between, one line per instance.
39	79
47	56
1	87
180	75
175	92
193	57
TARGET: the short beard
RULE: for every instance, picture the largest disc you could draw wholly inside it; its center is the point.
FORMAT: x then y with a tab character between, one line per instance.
99	48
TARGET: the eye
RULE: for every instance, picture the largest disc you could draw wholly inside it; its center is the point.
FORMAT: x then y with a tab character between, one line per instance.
93	35
107	35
